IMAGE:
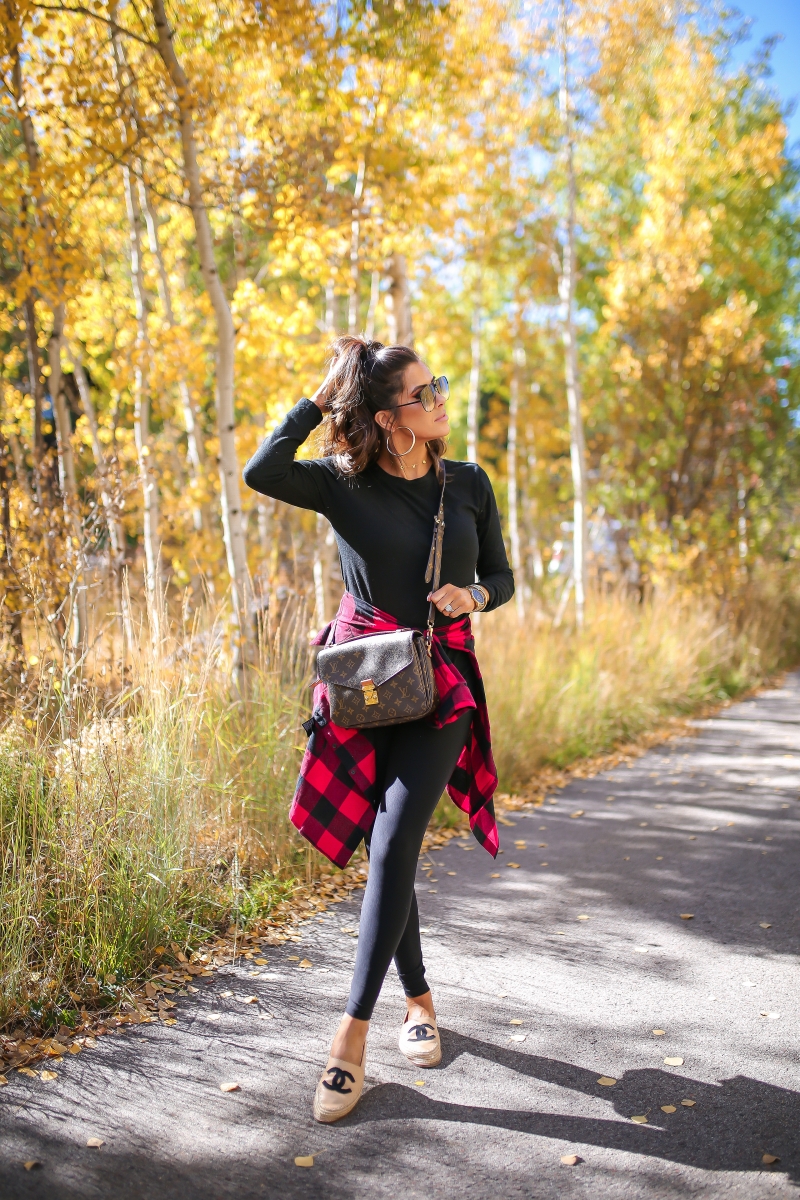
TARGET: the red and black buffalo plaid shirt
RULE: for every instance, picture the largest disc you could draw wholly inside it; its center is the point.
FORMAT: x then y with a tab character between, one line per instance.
336	798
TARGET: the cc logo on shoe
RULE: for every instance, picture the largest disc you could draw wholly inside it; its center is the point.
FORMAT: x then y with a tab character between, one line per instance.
339	1076
419	1033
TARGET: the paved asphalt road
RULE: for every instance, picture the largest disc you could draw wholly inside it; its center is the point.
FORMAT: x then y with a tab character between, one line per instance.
708	825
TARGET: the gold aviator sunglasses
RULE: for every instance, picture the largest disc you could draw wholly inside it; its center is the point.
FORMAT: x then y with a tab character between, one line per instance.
427	396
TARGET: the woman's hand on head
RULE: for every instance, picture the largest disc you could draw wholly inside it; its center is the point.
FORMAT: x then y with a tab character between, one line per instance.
461	600
324	392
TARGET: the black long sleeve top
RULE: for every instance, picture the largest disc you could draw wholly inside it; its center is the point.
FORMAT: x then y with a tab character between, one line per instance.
384	524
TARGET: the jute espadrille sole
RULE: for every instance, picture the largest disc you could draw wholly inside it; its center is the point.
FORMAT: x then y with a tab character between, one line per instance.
339	1090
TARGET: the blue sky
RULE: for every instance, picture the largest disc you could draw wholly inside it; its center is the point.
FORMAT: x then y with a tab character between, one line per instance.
777	16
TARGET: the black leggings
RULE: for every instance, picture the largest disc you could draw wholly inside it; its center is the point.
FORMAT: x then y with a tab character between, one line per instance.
414	763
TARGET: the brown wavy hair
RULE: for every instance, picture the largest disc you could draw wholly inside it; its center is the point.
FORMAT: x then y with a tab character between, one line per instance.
369	378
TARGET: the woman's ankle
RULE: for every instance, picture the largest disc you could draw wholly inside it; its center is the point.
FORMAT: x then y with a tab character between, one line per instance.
424	1002
350	1039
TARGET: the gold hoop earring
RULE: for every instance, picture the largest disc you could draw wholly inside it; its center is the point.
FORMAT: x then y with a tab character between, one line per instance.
396	453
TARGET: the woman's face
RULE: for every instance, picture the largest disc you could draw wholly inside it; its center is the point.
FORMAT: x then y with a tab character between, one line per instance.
424	425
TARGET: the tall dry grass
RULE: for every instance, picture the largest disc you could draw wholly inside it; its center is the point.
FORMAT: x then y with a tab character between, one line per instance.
156	813
156	810
559	694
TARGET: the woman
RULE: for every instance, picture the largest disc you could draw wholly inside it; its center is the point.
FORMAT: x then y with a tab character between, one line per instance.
379	486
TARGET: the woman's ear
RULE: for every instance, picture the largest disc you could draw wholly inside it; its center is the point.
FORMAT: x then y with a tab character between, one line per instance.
384	418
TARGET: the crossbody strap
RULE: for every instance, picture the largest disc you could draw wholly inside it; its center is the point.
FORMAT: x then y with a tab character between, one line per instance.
434	568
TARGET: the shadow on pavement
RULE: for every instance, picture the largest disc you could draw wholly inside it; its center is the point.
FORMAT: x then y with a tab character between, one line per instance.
730	1127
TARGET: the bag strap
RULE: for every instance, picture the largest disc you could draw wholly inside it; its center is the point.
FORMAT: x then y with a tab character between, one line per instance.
434	568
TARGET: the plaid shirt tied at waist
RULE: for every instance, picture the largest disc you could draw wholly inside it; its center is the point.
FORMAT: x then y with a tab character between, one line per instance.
336	797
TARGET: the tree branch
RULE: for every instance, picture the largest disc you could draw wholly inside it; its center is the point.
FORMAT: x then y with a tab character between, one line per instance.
80	10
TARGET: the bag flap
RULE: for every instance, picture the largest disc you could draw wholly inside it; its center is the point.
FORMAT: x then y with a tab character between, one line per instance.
378	657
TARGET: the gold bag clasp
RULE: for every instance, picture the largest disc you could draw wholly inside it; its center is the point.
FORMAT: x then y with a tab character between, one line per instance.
369	691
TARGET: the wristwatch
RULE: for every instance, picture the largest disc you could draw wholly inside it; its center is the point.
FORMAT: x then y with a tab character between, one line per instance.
479	595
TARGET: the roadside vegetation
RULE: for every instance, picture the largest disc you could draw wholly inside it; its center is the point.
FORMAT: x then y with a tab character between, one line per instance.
153	810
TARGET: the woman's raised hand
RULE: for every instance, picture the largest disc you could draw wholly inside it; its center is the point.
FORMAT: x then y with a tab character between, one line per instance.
323	393
453	601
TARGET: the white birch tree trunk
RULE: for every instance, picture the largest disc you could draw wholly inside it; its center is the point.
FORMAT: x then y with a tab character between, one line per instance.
372	311
355	247
566	291
141	414
473	398
69	484
232	517
194	441
398	303
517	565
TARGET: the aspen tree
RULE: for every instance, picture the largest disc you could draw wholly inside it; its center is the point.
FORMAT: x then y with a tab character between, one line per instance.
566	292
398	302
517	364
232	519
474	395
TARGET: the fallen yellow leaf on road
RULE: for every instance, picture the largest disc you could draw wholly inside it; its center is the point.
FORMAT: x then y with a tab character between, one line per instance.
304	963
31	1164
640	1120
674	1062
687	916
659	1032
570	1160
419	1083
516	1021
94	1143
27	1071
769	1159
48	1075
451	872
495	875
579	813
583	917
521	845
668	1108
254	999
764	925
261	962
514	865
505	821
304	1160
688	1103
606	1081
229	1087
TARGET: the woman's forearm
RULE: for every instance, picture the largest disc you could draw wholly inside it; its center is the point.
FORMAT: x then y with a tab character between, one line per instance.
273	471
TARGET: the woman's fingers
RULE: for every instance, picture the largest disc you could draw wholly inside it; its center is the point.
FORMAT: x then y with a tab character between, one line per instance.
452	601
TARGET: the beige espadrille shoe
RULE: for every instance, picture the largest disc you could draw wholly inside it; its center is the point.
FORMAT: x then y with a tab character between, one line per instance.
419	1041
339	1090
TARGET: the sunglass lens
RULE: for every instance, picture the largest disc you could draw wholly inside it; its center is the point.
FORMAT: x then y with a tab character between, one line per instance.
442	386
427	398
